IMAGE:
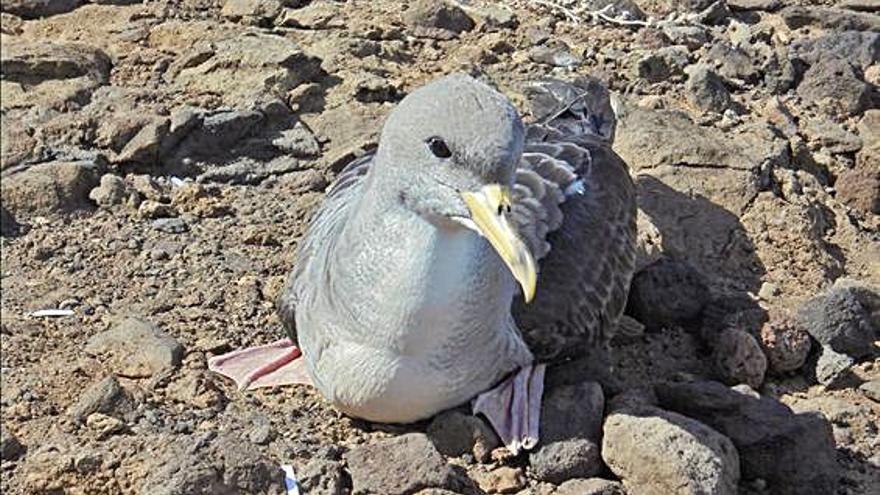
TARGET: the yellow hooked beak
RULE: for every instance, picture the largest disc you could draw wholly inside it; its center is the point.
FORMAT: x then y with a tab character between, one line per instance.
488	208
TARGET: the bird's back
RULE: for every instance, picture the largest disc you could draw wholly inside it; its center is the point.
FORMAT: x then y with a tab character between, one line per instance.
589	258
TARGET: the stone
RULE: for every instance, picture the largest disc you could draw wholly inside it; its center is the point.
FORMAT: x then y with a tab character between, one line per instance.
146	144
240	67
590	486
261	431
154	209
831	136
751	5
732	63
456	434
860	189
792	453
249	171
173	225
322	477
315	15
706	91
715	14
860	48
738	358
555	54
10	448
401	465
829	18
495	17
654	451
663	63
784	342
105	396
504	479
692	36
48	188
33	9
869	132
112	191
840	319
668	292
105	425
871	389
439	20
136	348
255	12
832	369
834	86
299	142
50	75
8	225
571	425
196	464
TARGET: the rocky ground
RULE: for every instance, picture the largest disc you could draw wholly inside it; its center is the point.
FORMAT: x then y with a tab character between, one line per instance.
161	159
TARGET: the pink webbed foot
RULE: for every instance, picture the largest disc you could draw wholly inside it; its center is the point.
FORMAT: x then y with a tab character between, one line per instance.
513	408
267	365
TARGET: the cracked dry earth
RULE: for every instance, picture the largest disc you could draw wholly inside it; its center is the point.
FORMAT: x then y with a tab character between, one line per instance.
161	159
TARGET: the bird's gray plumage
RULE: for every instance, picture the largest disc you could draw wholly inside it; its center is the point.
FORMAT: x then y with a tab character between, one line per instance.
573	206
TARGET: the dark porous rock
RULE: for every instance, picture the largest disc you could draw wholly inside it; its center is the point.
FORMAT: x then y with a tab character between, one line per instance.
732	63
829	18
715	14
32	9
738	358
8	225
793	453
456	434
860	48
669	292
835	87
859	189
400	466
136	348
47	188
227	464
571	427
654	451
784	342
706	90
439	20
10	448
841	319
106	397
590	486
323	477
661	64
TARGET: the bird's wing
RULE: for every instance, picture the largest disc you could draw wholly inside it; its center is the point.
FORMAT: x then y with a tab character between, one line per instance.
326	220
576	209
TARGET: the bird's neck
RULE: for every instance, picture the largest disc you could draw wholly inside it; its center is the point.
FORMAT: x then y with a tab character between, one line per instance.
413	273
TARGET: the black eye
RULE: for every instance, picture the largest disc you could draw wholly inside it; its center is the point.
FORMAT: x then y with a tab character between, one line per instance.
438	147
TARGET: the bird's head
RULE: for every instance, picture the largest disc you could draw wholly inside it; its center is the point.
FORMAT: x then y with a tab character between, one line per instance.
450	151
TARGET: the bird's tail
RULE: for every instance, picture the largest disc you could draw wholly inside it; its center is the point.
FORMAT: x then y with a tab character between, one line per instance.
583	106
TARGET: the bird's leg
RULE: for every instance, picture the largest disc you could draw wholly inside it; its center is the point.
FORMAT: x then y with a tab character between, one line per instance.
513	408
267	365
